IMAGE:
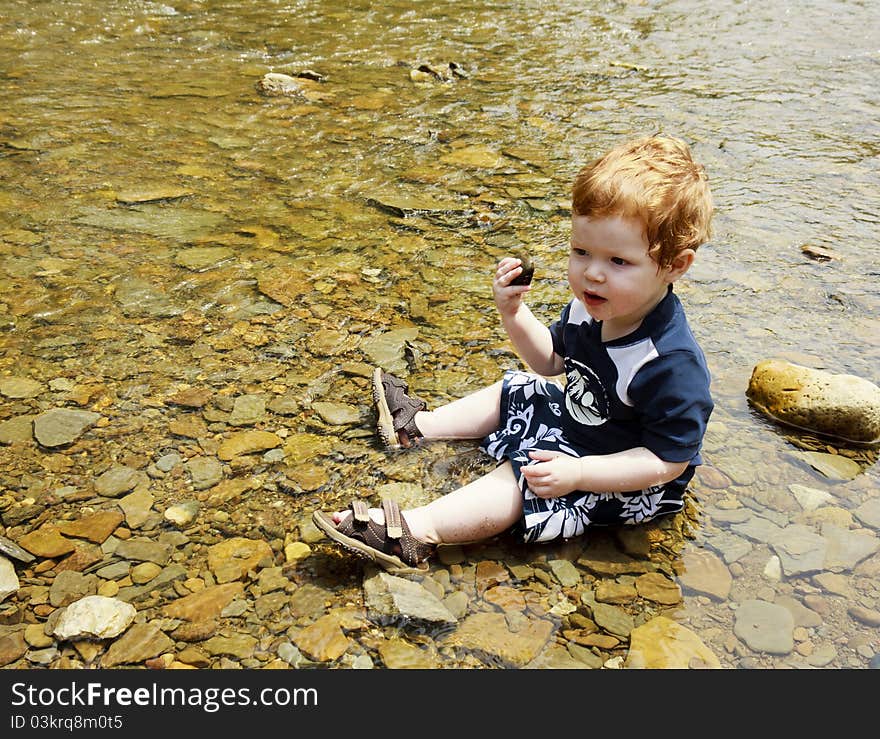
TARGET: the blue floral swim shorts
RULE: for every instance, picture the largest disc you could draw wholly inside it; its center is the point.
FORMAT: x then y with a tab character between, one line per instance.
531	418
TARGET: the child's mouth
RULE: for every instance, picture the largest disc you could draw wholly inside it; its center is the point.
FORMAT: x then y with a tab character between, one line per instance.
593	299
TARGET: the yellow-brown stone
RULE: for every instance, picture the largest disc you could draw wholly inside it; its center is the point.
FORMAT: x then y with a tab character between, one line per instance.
233	558
206	604
46	541
247	442
96	527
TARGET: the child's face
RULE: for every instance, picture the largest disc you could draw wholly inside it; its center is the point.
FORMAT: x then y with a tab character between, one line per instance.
611	273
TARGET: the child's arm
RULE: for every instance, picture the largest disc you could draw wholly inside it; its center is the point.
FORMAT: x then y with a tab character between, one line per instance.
529	336
555	474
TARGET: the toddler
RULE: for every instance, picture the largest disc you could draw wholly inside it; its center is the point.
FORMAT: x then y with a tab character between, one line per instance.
618	441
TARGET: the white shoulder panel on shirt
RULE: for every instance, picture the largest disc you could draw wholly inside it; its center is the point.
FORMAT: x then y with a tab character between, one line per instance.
578	313
629	360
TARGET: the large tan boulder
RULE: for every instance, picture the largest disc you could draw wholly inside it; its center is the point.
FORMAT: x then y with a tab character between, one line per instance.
838	405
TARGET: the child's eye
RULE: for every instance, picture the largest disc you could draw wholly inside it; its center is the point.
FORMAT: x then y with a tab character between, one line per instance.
618	261
579	252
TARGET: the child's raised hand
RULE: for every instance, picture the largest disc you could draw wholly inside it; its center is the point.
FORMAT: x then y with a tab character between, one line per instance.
507	296
552	474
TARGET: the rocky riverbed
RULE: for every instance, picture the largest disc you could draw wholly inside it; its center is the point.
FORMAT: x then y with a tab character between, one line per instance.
170	529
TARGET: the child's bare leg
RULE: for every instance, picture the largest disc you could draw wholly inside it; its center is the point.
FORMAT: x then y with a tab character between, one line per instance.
471	417
481	509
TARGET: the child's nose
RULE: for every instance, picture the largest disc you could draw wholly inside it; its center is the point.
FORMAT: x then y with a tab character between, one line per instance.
593	272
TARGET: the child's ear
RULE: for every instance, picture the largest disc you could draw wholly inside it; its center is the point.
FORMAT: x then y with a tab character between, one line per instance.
681	264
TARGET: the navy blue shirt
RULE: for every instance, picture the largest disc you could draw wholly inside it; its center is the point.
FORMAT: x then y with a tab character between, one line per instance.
647	389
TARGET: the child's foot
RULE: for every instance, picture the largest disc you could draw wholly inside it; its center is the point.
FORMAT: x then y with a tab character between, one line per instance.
389	544
396	424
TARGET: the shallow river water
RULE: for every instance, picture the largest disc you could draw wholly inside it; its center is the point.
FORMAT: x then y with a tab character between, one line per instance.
166	226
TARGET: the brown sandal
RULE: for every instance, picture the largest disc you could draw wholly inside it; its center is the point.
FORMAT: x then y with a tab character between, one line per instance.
397	410
389	545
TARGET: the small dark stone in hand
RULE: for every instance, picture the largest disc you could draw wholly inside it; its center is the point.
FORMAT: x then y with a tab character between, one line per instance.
528	269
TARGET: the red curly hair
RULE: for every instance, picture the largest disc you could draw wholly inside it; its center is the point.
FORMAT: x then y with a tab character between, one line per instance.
656	180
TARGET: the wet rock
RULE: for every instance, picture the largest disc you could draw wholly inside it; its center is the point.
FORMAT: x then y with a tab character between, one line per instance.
833	466
656	587
730	546
94	616
196	631
490	634
277	84
234	558
765	627
140	643
12	647
402	205
151	194
46	542
809	498
13	550
20	387
605	560
61	426
194	397
705	573
800	549
477	156
247	442
202	258
337	414
661	643
84	555
240	646
136	507
397	597
803	616
144	550
386	350
69	586
582	655
427	72
296	551
9	583
397	654
305	446
609	591
176	223
323	640
17	430
823	656
183	514
95	527
266	605
35	635
118	480
867	616
205	605
845	549
144	572
205	472
490	573
868	513
612	619
838	405
565	572
247	410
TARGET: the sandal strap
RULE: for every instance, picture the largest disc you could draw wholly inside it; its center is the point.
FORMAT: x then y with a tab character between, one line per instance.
360	510
393	519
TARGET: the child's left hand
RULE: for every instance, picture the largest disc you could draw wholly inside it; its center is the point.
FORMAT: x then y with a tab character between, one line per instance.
554	474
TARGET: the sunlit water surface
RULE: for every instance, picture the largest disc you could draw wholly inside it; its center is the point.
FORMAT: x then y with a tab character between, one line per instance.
165	225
